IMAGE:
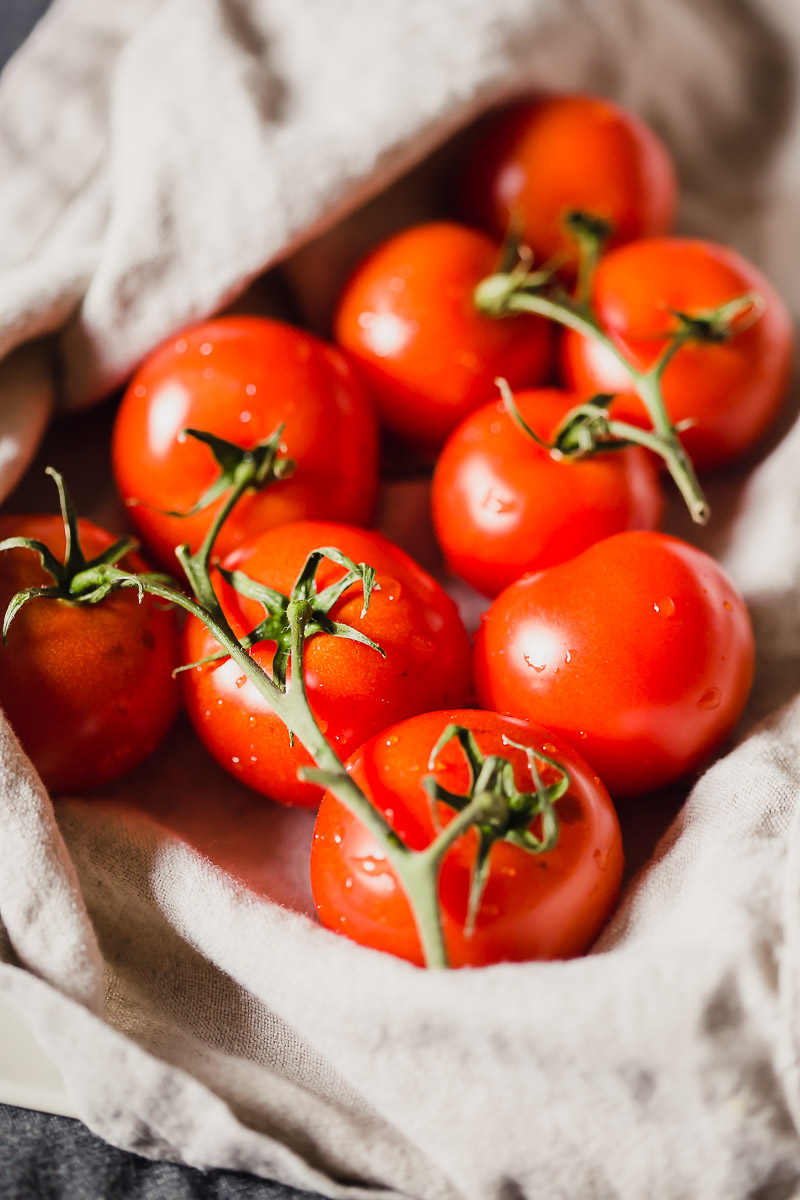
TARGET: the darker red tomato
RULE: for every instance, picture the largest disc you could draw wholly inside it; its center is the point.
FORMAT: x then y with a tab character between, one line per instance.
88	690
427	355
352	690
535	906
730	391
239	377
639	651
541	159
502	505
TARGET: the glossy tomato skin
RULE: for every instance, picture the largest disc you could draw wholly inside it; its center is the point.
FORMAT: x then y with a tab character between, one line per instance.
545	157
353	691
88	691
547	906
638	651
502	505
427	356
239	378
730	391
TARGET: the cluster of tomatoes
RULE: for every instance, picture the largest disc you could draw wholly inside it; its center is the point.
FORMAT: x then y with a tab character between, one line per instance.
604	641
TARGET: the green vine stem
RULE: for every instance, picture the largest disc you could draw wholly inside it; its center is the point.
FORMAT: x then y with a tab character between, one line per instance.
520	290
492	803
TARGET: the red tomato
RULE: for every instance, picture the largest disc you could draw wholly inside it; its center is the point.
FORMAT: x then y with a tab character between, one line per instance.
534	906
730	390
88	690
639	651
544	158
239	377
427	355
352	690
502	505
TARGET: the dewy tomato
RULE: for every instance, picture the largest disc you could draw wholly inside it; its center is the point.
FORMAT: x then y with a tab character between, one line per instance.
352	690
728	391
428	357
539	160
502	505
88	690
238	378
534	906
638	651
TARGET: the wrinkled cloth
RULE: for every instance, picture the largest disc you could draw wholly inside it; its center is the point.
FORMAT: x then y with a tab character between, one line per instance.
155	159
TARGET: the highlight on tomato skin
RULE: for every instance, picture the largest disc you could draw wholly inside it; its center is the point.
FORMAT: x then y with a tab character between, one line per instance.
639	651
426	355
239	378
88	690
728	391
503	506
353	691
547	906
540	159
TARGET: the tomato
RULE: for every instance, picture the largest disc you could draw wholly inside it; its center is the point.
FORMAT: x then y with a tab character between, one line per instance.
639	651
543	158
239	377
729	390
88	689
534	906
427	355
352	690
502	505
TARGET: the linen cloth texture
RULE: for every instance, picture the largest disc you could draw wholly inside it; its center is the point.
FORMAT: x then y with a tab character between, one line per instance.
155	158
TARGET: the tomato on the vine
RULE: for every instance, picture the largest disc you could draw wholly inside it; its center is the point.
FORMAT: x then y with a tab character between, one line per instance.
534	906
428	357
239	378
727	390
88	689
503	505
639	651
352	690
539	160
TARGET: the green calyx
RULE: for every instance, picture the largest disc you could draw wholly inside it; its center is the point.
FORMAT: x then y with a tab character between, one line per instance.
501	812
76	580
304	605
240	469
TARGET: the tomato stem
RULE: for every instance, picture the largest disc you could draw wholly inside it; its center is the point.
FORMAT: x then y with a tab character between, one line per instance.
504	295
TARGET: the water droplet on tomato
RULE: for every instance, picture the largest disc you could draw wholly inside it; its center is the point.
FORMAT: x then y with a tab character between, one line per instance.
254	758
549	748
235	759
568	656
245	416
710	698
392	741
180	346
251	389
665	607
208	372
495	503
536	666
241	681
727	604
583	734
206	348
348	883
337	837
140	390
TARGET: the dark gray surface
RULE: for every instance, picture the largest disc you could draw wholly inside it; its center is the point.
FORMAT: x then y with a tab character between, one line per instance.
43	1157
17	18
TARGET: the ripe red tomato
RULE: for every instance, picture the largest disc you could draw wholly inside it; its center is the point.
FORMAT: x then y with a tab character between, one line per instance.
534	906
639	651
352	690
427	355
88	689
239	377
546	157
730	390
502	505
